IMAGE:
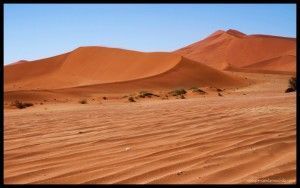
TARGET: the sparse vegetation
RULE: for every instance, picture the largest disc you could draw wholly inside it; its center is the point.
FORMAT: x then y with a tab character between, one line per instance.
131	99
21	105
83	101
104	98
220	94
144	94
288	90
177	92
165	97
179	173
292	85
182	97
197	90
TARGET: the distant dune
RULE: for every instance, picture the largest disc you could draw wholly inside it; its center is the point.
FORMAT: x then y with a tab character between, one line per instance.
90	66
233	50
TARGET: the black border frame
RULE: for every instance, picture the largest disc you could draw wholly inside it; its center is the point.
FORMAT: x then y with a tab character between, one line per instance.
156	2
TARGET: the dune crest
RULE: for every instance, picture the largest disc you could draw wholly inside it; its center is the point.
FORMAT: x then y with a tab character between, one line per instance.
236	33
238	50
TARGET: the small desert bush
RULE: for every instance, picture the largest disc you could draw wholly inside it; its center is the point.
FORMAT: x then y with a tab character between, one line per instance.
198	90
144	94
165	97
27	104
292	85
289	90
83	101
180	97
104	98
22	105
131	99
177	92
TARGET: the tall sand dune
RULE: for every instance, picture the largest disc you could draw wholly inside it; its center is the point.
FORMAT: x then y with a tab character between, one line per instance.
91	66
233	50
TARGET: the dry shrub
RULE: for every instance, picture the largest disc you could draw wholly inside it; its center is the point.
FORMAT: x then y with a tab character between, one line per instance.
177	92
144	94
198	90
21	105
83	101
131	99
182	97
292	85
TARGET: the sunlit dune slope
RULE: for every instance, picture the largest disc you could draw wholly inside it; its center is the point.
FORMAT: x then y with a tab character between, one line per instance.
232	50
88	66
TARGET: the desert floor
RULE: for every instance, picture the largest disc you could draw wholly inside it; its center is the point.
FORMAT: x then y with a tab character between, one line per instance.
248	135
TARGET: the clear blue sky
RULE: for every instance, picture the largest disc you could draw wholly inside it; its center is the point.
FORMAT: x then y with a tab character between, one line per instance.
43	30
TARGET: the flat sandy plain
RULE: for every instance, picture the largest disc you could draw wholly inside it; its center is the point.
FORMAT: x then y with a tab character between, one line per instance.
248	135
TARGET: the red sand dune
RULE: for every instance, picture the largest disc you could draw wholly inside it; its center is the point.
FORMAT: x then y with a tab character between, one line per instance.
90	66
234	50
